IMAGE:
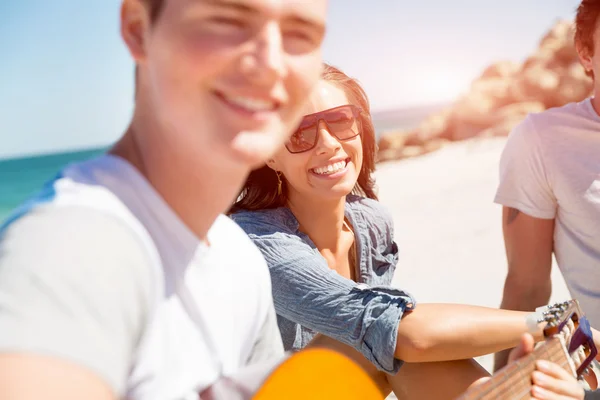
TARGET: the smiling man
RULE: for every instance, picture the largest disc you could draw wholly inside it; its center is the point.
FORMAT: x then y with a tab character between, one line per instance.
122	279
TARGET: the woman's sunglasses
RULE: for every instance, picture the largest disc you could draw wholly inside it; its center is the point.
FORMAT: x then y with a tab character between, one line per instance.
343	122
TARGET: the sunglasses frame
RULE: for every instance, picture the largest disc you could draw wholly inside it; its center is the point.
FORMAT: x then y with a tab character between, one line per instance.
356	112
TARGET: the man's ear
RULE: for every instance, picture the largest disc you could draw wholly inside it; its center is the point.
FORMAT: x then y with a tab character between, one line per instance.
135	21
584	57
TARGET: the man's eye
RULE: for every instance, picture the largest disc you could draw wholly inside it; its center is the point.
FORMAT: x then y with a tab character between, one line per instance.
297	34
298	41
233	22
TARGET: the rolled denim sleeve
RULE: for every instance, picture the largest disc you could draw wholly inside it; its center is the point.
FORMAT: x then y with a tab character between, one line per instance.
308	292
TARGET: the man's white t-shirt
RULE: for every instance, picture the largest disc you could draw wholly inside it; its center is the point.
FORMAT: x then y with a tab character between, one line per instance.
550	169
98	270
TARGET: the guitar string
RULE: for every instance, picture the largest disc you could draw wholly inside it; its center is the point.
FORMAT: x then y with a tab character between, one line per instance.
510	389
525	390
565	358
565	362
500	388
520	389
566	333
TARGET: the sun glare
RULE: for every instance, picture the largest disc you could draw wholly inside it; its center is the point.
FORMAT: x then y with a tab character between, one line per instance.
445	85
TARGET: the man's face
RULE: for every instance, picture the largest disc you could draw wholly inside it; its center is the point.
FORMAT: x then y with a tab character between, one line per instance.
228	78
590	58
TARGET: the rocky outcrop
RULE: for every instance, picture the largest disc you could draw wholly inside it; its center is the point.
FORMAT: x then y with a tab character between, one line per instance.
500	98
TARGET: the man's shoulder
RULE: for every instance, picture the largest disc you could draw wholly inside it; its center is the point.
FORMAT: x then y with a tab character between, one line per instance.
227	236
550	131
93	290
558	117
92	188
70	190
227	229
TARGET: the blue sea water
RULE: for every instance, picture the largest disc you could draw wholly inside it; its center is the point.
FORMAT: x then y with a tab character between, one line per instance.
22	178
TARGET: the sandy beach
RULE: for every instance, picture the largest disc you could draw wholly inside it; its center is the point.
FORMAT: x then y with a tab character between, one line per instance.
447	227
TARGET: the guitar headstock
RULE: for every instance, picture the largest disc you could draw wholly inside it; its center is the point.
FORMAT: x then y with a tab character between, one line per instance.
567	319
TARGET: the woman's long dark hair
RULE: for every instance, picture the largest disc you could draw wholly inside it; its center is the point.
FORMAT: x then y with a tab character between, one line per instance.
260	190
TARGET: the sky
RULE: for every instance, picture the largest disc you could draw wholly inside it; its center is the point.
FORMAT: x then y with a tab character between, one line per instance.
66	79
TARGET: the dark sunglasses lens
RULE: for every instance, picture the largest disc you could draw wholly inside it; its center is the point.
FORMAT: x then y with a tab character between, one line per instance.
304	137
343	123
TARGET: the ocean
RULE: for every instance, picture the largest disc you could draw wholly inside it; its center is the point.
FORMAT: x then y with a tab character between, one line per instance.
21	178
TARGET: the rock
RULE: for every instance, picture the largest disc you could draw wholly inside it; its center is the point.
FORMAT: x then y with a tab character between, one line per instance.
562	29
541	57
502	97
412	151
435	126
537	83
498	121
391	141
518	110
574	86
435	144
502	129
389	155
502	69
562	50
472	114
495	89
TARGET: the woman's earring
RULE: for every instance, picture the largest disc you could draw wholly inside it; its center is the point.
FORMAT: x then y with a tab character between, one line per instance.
278	182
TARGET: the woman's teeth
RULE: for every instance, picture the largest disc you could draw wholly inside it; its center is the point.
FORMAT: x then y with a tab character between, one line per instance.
330	169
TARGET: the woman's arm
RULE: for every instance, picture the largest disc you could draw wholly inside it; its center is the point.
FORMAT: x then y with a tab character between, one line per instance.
376	320
439	332
307	292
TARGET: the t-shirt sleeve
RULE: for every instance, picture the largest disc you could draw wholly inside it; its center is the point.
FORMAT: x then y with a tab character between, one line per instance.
269	345
524	182
75	284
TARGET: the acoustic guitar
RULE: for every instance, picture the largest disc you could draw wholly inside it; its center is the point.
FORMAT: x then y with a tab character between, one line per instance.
568	343
318	374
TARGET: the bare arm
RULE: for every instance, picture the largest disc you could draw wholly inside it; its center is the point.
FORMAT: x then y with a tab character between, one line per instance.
29	377
529	244
440	332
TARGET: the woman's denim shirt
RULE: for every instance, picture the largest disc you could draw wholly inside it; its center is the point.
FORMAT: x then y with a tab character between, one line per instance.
311	298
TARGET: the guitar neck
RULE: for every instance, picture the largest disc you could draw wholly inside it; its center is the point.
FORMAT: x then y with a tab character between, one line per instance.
514	380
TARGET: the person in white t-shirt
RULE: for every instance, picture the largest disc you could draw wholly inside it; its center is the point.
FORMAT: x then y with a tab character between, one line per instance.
550	192
122	278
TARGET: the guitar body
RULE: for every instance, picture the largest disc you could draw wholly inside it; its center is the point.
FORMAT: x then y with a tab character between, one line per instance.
318	374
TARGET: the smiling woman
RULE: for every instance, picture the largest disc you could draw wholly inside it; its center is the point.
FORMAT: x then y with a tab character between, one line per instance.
329	245
350	123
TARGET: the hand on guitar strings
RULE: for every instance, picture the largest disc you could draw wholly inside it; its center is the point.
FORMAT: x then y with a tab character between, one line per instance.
550	381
